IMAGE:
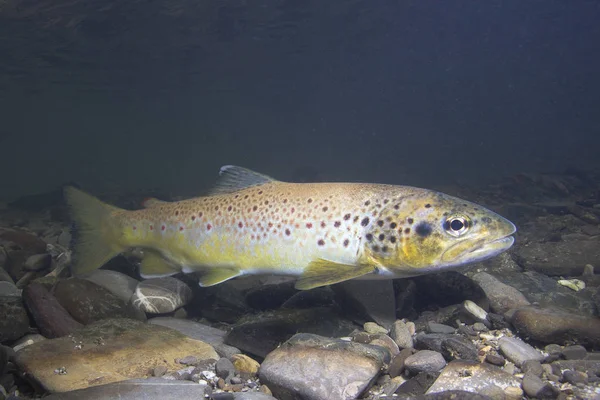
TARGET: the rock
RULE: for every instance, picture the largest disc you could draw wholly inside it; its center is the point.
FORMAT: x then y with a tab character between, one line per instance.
495	359
387	342
562	258
261	333
27	340
269	297
471	313
460	348
434	327
223	302
418	384
4	276
501	296
591	367
195	330
50	317
224	368
471	376
545	292
24	244
244	364
242	396
38	262
533	367
401	335
548	325
575	377
518	351
397	366
374	329
159	371
9	289
535	387
134	389
161	295
431	341
338	369
458	395
107	351
121	285
425	361
88	302
14	322
368	301
575	352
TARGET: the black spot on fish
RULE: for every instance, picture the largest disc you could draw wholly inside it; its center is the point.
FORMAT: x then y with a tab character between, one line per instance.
369	237
375	248
410	220
365	221
393	225
382	237
393	239
380	223
423	229
427	205
384	249
486	220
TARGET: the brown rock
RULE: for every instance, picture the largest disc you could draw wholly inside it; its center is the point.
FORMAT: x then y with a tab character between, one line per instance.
556	326
14	322
50	317
107	351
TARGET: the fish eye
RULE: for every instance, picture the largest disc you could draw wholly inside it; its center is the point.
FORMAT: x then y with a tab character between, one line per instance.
456	225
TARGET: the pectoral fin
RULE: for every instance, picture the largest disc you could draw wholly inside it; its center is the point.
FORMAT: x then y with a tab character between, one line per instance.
322	272
154	266
217	275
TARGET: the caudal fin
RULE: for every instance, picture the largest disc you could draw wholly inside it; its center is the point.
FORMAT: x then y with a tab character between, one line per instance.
96	235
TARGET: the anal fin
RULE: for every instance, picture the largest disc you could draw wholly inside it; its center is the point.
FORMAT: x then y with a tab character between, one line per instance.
216	275
323	272
154	266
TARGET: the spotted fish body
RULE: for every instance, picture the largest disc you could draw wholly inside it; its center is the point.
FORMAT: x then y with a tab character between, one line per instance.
321	232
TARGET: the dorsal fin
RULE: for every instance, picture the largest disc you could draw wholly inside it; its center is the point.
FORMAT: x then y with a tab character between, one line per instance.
233	178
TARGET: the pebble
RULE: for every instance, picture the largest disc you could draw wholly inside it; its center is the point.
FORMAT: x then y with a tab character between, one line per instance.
535	387
224	368
14	321
161	295
401	334
88	302
38	262
314	367
373	328
434	327
549	325
418	384
518	351
575	377
397	366
159	371
119	284
9	289
513	393
502	297
472	376
473	312
387	342
575	352
495	359
50	317
425	361
480	327
245	364
533	367
460	348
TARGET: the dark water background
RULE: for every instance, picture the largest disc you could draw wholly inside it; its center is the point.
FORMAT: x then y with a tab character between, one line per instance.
124	95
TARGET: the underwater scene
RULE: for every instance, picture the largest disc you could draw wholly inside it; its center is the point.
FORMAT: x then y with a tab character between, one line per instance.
299	200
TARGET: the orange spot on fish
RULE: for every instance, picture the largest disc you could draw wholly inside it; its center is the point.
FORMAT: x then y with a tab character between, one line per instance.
309	225
208	227
162	228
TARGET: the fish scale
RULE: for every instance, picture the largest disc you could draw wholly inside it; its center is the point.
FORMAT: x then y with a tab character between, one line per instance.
321	232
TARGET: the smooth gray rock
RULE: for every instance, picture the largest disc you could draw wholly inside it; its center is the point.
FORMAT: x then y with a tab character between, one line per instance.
425	361
195	330
502	297
434	327
534	387
318	368
38	262
14	322
136	389
9	289
161	295
472	376
119	284
518	351
401	335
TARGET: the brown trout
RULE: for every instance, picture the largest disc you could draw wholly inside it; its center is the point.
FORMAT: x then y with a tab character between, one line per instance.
323	233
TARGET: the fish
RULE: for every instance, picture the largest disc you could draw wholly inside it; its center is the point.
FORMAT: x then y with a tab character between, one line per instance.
321	233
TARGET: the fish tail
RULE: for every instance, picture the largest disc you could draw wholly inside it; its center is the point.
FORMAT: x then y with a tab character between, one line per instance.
96	236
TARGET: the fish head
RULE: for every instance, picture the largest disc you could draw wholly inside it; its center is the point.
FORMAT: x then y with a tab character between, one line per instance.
429	231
